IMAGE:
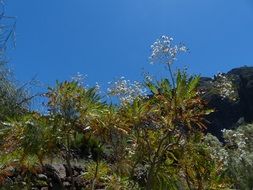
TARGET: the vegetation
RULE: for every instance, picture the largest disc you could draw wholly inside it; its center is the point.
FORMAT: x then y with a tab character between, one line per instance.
154	138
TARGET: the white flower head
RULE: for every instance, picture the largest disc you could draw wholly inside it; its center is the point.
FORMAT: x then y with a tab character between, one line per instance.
225	87
163	51
79	78
126	90
97	86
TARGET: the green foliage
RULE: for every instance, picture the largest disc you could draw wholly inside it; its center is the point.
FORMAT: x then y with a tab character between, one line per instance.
101	175
96	171
149	143
199	169
152	142
72	101
13	99
158	129
27	142
71	108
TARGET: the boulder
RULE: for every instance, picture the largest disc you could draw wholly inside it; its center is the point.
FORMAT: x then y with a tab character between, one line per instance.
61	170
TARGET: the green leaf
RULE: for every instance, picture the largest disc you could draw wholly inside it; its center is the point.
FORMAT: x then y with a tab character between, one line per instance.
152	88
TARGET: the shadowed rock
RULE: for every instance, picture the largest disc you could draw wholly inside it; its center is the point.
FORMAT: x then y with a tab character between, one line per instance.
229	112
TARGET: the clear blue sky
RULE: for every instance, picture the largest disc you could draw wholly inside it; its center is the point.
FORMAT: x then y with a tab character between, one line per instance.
110	38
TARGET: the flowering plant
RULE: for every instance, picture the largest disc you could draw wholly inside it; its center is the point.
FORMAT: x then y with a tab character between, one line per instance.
163	50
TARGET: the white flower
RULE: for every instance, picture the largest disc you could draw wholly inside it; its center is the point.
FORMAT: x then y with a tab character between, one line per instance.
126	90
224	86
163	51
97	86
79	78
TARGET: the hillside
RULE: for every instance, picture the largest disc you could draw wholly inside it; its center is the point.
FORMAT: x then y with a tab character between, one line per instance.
236	107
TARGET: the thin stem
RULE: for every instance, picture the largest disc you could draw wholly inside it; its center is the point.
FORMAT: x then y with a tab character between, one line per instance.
68	157
171	75
95	175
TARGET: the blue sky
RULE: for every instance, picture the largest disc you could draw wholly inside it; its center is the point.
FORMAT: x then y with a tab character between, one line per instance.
111	38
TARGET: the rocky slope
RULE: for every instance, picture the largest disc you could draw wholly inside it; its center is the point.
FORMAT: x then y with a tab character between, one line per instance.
231	95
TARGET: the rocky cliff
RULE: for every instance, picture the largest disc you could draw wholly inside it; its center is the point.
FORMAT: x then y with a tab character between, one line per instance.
231	95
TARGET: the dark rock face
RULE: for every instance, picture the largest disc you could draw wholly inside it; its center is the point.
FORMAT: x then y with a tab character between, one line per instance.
229	112
245	91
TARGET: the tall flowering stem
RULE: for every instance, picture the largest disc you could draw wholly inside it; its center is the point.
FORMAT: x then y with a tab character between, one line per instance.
172	77
164	51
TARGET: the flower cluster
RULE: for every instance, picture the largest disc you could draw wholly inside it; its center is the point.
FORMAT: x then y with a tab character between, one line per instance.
79	78
237	140
141	170
218	152
239	145
126	90
163	50
224	85
237	150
